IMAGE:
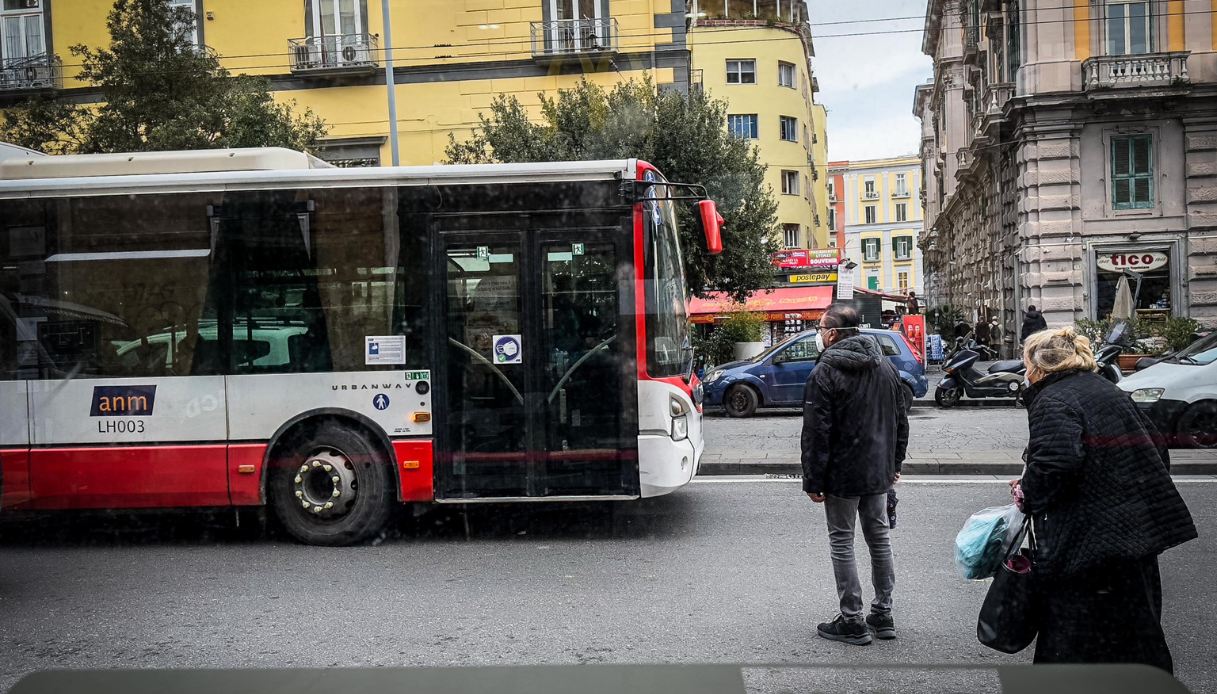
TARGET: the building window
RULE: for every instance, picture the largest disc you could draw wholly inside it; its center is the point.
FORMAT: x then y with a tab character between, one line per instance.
741	72
902	247
870	212
832	219
902	212
743	125
1128	27
789	128
21	27
832	191
902	281
786	75
790	235
337	18
790	183
1014	41
868	190
902	185
1132	172
870	250
1153	267
192	27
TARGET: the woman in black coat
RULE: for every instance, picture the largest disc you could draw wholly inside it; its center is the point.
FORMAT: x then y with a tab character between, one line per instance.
1103	507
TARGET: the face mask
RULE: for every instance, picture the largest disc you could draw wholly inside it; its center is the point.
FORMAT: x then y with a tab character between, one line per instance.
820	341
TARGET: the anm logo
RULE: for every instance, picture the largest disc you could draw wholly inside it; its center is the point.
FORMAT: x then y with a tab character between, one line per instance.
122	401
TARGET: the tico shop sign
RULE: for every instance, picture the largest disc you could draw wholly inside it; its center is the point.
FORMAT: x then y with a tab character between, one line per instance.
1137	261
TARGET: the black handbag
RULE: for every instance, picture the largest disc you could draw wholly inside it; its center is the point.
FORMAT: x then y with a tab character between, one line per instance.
1008	621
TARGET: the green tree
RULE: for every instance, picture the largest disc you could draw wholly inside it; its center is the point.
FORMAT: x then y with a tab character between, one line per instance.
158	92
681	134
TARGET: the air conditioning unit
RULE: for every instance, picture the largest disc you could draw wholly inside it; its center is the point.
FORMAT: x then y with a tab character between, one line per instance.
355	51
306	56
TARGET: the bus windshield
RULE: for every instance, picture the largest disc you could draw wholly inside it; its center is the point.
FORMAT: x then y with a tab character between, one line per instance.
669	348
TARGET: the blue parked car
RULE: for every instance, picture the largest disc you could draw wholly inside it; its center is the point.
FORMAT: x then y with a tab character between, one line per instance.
775	377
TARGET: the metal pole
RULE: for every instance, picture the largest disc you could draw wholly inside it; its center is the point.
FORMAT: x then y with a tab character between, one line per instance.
384	9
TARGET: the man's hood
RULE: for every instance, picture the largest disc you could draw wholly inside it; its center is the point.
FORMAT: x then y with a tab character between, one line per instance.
853	354
1033	313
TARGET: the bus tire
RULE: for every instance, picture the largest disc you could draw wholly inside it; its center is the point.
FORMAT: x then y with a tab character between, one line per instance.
331	486
740	401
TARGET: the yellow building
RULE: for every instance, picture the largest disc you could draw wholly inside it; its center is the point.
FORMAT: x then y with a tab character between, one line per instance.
755	55
883	217
451	57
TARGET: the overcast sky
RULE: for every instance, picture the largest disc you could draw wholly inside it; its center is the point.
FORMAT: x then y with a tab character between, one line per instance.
867	82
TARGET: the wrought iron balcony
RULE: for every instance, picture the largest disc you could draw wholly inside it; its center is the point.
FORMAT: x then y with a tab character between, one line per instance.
870	195
1125	71
572	38
900	194
34	73
336	54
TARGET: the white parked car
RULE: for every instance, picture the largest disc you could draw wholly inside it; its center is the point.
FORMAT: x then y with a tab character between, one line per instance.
1179	394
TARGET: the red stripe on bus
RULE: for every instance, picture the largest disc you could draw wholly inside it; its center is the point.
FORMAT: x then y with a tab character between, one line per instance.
640	289
14	478
416	470
129	477
245	473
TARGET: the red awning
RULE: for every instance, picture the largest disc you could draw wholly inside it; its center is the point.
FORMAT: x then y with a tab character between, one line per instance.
809	302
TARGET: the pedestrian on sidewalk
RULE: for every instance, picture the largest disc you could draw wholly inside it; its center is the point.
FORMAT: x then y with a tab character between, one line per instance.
855	432
1033	322
1097	487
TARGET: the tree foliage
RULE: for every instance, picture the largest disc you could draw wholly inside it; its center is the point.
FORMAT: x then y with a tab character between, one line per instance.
158	92
683	135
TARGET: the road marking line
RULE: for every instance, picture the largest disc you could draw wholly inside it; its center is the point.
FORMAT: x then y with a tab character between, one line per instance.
914	481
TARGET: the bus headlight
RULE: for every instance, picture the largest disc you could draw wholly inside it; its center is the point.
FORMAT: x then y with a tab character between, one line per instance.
680	418
1147	395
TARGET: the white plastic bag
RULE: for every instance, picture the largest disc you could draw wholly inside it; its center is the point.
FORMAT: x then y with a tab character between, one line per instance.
981	542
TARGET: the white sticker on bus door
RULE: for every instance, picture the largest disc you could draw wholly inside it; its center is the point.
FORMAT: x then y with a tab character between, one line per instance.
508	349
384	349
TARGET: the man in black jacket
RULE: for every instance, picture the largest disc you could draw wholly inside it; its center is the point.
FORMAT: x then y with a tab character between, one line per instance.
855	432
1033	322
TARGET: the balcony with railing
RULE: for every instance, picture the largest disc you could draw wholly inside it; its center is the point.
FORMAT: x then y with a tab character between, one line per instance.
991	107
870	195
33	73
900	193
338	54
571	39
1152	70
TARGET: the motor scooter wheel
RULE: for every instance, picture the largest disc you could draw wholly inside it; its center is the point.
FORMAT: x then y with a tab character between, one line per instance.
947	397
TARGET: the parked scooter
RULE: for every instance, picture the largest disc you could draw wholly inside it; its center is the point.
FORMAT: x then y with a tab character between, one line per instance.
1107	356
1003	379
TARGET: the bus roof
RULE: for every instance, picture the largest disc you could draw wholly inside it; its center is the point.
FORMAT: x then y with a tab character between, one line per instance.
260	169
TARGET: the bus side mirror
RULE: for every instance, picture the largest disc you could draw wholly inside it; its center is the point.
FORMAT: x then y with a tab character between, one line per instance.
711	225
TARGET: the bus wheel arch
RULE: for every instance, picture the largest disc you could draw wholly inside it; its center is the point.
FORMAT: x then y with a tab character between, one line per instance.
330	478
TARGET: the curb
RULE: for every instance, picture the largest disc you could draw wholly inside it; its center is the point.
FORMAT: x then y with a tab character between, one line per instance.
924	467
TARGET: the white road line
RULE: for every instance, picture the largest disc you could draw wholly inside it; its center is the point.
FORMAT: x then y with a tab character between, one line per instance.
915	481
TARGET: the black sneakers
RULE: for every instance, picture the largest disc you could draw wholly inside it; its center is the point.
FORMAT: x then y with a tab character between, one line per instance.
853	633
882	624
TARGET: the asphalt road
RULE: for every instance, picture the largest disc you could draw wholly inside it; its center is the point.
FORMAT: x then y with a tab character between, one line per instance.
930	429
723	571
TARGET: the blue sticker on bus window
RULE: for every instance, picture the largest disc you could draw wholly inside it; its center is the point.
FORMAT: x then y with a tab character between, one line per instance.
507	349
380	401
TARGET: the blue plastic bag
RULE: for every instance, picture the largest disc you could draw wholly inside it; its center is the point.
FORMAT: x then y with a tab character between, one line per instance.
982	541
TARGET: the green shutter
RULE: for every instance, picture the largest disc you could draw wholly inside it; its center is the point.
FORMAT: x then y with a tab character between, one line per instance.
872	282
1132	175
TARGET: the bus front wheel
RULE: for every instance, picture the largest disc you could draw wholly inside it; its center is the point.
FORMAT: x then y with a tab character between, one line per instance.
331	486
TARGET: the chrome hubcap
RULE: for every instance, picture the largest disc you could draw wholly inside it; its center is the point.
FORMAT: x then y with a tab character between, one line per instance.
325	484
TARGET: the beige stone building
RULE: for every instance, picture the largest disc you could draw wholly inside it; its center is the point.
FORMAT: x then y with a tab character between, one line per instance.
1064	143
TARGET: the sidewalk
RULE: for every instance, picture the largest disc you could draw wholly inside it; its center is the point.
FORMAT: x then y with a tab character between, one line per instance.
1008	461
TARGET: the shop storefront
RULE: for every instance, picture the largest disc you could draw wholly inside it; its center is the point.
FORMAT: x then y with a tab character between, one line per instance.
1151	274
787	310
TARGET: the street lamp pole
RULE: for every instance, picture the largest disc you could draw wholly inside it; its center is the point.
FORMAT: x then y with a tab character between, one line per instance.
384	9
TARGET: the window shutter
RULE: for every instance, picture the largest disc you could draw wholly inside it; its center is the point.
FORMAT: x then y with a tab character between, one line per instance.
1141	154
1120	147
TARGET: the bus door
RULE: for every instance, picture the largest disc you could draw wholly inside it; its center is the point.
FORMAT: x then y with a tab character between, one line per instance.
538	395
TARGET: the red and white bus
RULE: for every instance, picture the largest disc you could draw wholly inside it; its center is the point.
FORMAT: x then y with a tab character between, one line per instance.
249	327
